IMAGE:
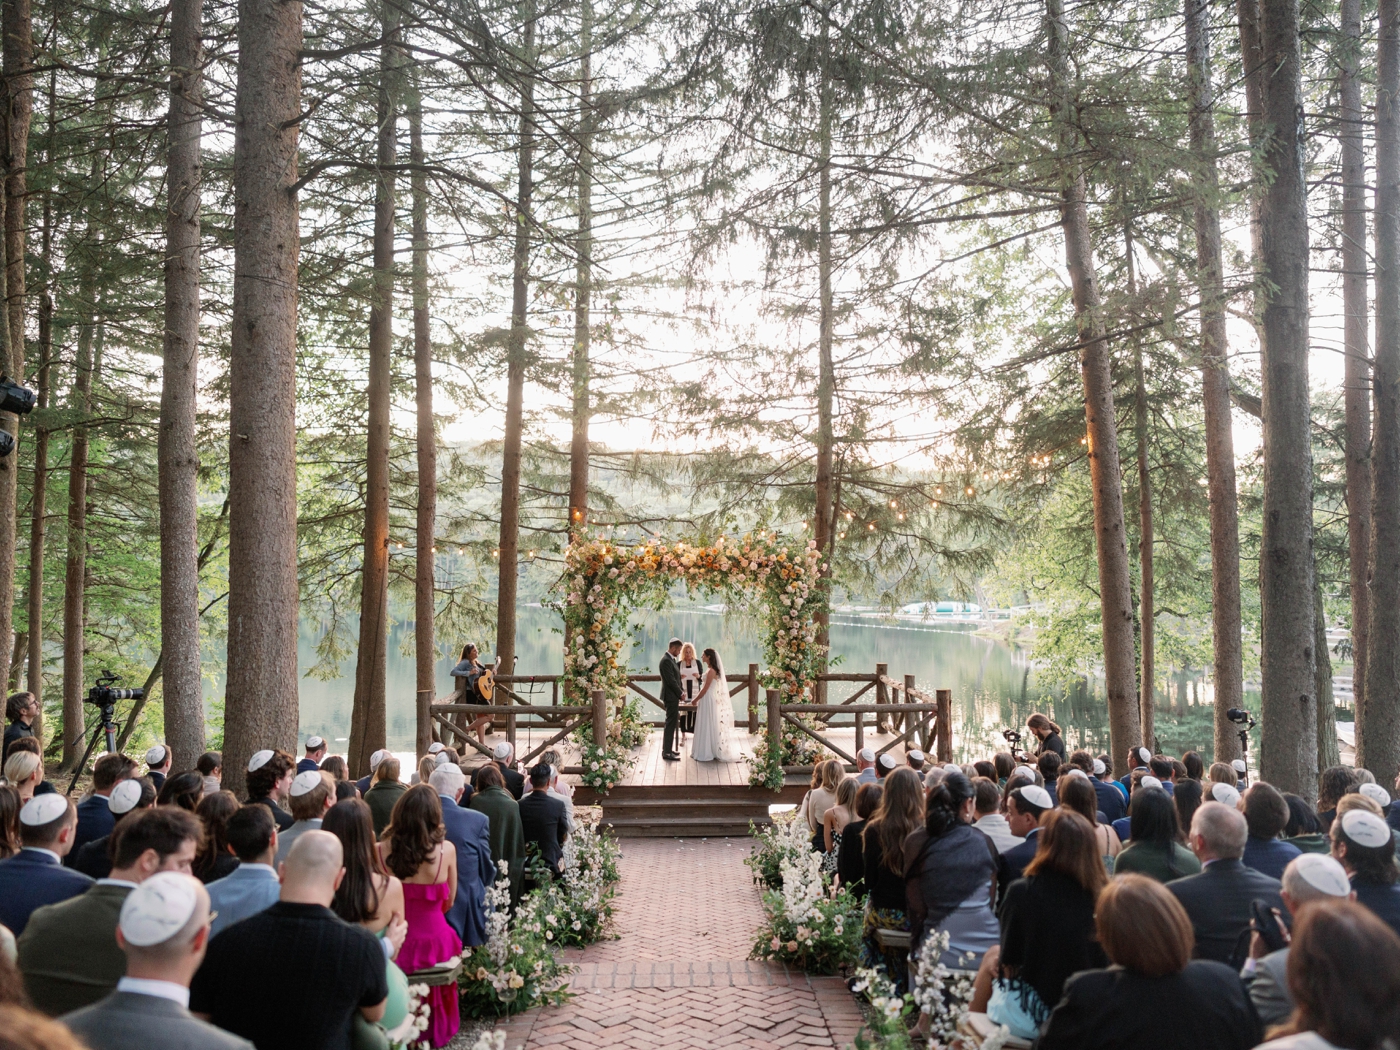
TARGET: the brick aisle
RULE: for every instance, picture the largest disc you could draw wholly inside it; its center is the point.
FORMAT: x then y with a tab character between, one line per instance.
679	976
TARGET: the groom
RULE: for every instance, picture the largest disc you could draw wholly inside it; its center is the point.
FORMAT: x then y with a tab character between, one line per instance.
671	697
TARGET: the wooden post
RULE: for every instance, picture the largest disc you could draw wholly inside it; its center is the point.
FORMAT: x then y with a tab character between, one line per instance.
600	719
753	699
860	730
944	698
882	696
775	723
907	721
425	721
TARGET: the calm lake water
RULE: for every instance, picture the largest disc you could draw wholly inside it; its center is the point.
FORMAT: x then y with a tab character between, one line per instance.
993	684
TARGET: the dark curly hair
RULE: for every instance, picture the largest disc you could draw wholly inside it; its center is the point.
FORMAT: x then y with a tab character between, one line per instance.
415	830
262	780
944	803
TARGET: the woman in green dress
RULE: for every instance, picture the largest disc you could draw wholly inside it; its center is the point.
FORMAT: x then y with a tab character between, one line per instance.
1154	846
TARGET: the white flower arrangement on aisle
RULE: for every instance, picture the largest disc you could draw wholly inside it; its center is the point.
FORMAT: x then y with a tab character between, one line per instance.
808	927
942	994
408	1033
518	967
491	1039
786	839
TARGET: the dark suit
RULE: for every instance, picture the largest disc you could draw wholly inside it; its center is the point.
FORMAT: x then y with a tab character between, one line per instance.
1382	898
1111	803
29	880
546	823
95	820
128	1021
69	954
1218	901
671	698
1012	863
470	832
92	860
13	732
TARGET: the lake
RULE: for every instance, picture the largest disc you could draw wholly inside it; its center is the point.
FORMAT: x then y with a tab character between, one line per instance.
994	684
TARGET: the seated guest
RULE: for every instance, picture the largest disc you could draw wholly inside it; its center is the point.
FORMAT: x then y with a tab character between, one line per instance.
333	968
1266	815
270	776
915	760
1136	780
315	751
1047	925
415	848
1164	769
214	860
25	771
311	794
252	886
850	858
559	789
183	790
1154	994
211	767
543	821
1333	784
865	766
1344	975
35	876
1195	766
335	765
1111	802
1187	798
1364	844
884	765
836	818
94	813
426	765
69	953
507	836
1219	900
9	821
1308	878
158	760
901	813
820	796
1025	805
127	799
990	822
363	784
1077	794
470	833
1303	829
1004	763
385	792
1153	849
950	876
163	934
1049	766
502	757
20	711
1138	759
1223	773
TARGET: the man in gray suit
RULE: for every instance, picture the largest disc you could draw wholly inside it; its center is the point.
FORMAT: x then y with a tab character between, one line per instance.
164	929
671	698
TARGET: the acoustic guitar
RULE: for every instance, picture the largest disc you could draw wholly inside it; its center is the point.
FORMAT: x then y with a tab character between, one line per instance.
486	684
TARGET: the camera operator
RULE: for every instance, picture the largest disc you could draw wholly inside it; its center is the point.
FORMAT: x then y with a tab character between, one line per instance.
1048	733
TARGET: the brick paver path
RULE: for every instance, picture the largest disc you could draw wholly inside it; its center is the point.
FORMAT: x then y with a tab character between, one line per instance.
679	974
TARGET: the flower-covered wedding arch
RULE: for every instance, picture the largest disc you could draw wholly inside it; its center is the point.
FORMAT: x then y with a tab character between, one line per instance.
604	580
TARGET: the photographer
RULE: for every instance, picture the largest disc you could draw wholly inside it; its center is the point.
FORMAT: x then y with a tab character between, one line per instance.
1048	733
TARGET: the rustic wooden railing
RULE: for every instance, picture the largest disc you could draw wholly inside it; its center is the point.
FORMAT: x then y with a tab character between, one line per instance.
922	716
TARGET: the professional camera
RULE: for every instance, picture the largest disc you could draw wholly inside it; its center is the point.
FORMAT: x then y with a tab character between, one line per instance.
19	400
1239	716
1013	737
104	696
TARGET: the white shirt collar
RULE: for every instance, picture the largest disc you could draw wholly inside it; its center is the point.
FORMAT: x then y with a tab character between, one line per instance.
40	849
176	993
117	882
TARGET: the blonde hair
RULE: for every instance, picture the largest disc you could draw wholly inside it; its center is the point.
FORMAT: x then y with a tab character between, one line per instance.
688	653
20	766
832	774
426	765
846	793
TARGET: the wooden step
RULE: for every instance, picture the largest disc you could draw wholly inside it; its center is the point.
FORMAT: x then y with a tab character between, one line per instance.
664	826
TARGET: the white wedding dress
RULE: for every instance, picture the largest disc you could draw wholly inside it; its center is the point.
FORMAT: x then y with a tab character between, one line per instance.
713	740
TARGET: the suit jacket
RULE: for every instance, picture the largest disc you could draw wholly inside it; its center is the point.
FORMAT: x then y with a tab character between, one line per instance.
29	880
1204	1007
68	953
1268	988
1111	802
470	832
1218	901
670	680
286	839
158	779
1013	862
507	835
381	799
251	888
13	732
92	859
95	820
130	1021
1382	898
307	765
281	816
1269	856
363	784
544	821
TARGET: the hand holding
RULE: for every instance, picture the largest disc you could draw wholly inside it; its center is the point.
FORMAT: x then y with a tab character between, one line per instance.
395	933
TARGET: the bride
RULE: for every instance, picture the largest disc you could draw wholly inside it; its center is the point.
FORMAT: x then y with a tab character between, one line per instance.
714	717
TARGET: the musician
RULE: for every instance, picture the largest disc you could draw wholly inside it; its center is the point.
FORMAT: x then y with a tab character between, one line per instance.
467	673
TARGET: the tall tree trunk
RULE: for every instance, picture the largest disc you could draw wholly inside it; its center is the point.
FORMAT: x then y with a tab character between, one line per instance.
508	566
1255	82
368	717
1215	388
19	74
1147	608
1288	656
182	687
1115	590
1355	336
424	585
1378	719
825	517
261	695
583	281
1328	750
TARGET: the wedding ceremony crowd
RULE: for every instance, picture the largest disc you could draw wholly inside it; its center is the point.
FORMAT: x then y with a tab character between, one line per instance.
162	912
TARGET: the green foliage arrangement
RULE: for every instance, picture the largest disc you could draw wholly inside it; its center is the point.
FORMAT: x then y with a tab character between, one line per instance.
518	967
785	840
807	926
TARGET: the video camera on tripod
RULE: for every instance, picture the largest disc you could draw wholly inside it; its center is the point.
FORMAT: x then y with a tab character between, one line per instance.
104	698
1246	722
1013	737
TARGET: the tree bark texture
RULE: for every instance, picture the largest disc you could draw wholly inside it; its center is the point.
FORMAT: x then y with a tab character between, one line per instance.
1328	750
75	565
1115	585
1288	656
583	283
424	583
19	74
182	690
1228	670
824	514
261	697
1147	613
368	726
508	567
1378	718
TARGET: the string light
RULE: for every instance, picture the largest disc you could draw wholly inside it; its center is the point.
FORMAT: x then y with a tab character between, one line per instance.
969	490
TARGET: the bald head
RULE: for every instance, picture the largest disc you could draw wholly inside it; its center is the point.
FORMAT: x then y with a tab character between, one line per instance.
313	869
1218	832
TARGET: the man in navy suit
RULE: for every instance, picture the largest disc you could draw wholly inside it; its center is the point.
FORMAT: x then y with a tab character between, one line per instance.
470	832
315	751
1024	807
95	817
35	876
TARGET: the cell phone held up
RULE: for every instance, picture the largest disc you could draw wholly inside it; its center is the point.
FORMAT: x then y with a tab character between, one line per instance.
1267	925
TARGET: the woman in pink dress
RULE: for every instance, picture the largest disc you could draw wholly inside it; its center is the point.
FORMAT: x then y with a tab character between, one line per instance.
414	849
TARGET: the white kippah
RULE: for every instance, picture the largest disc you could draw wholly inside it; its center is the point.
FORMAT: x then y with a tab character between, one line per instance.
502	751
42	809
434	747
1150	782
314	743
887	761
260	759
376	758
1225	794
442	759
1365	829
1037	796
1144	755
1323	873
866	754
1376	794
1239	766
1099	768
305	783
156	755
124	797
158	909
1075	771
915	756
951	767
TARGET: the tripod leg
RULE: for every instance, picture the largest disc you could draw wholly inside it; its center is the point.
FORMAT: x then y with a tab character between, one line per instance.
82	763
